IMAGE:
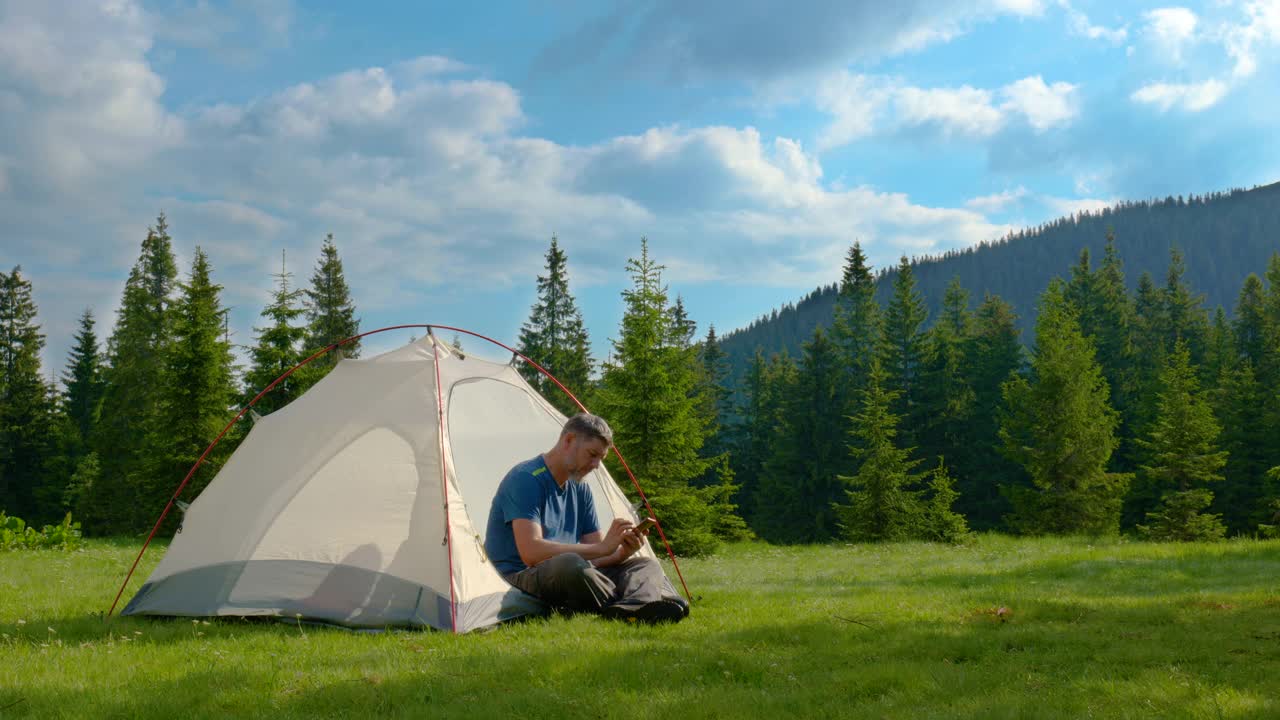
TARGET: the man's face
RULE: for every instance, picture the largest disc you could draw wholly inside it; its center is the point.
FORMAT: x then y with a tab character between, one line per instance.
585	455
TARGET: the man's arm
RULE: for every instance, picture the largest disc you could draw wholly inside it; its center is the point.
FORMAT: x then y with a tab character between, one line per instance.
534	549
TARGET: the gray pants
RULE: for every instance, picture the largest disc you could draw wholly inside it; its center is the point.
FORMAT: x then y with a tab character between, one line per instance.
571	582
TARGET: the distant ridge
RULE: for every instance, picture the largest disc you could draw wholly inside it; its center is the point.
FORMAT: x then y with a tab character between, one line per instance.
1223	237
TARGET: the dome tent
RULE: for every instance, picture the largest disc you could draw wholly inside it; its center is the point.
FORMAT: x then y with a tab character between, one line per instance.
364	502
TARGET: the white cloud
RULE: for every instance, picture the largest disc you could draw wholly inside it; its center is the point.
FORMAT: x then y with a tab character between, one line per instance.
964	111
84	101
1080	24
999	202
1072	206
1171	29
421	172
1242	41
1191	97
862	106
855	102
1044	106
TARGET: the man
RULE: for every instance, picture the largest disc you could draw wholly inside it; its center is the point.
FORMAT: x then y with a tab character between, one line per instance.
545	539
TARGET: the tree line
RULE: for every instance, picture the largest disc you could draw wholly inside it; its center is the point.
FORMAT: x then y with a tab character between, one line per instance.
129	418
1223	237
1134	411
1131	411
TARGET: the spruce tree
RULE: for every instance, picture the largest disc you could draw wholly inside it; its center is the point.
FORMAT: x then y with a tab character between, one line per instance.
278	348
902	349
26	411
83	380
1060	426
1104	309
1150	322
716	397
1247	441
331	313
884	501
947	399
134	383
1184	312
856	326
759	413
1250	325
199	392
1220	351
648	396
993	353
801	485
1181	446
555	337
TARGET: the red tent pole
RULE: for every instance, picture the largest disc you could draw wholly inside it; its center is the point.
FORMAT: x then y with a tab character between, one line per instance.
191	473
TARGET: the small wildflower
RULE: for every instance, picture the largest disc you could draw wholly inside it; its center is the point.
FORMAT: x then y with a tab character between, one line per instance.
22	622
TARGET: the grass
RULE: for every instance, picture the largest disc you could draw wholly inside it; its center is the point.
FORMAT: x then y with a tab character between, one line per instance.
1002	628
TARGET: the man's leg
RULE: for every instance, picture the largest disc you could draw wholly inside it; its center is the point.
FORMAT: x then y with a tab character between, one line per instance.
566	581
643	590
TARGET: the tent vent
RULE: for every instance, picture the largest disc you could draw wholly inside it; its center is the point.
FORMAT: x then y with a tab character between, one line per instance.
255	416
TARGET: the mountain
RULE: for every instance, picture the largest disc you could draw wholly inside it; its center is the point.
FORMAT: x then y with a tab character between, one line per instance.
1223	238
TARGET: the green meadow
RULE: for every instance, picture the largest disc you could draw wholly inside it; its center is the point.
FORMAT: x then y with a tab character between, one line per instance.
1000	628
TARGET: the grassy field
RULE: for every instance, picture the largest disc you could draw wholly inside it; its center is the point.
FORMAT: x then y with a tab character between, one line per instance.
1002	628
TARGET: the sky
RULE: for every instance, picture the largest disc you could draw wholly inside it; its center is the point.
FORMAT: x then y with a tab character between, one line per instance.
444	144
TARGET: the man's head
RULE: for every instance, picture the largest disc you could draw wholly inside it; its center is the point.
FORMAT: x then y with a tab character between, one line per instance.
584	441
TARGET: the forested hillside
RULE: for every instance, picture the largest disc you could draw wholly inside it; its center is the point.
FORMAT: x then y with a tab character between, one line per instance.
1222	236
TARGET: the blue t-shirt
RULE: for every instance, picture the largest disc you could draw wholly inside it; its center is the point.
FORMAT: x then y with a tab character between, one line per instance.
529	492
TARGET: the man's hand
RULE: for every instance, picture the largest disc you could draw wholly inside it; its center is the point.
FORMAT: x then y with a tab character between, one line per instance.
617	534
631	543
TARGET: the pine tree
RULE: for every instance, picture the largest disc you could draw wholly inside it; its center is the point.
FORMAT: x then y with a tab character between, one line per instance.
1220	351
1247	441
883	500
716	398
26	413
199	391
947	399
279	348
1060	426
1104	309
800	487
993	353
856	326
902	349
879	505
1181	446
1250	325
555	337
1149	330
1184	312
648	396
682	329
760	413
83	380
331	313
134	383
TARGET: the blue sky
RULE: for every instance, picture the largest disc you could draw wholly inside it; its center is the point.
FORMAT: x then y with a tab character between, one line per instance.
444	144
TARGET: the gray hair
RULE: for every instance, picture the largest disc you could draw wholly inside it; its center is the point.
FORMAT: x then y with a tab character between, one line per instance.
588	425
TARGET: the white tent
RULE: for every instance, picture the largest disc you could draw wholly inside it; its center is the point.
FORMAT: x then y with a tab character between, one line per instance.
364	501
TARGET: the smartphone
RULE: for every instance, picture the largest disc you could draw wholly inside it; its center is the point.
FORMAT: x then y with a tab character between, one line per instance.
644	525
